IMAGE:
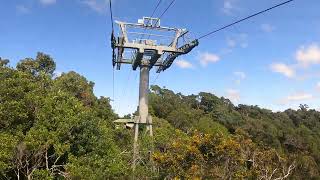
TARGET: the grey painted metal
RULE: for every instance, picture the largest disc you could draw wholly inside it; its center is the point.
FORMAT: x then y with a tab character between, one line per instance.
146	54
142	25
137	60
143	92
149	21
142	47
171	57
143	117
150	34
124	121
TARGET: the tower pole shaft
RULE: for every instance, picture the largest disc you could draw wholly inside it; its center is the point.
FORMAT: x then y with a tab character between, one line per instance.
143	108
143	93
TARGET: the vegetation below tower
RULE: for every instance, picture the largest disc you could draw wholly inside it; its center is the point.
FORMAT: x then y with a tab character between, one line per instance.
55	128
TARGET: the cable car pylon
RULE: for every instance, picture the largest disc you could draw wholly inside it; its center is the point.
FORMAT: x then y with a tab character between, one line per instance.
162	46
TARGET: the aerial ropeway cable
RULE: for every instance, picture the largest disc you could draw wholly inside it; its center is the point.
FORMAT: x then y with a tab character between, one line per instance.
248	17
164	12
153	12
113	41
188	47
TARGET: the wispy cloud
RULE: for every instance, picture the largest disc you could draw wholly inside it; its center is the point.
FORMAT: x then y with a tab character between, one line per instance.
206	58
229	6
239	76
305	56
297	97
237	40
318	86
243	40
233	95
283	69
47	2
27	9
23	9
99	6
184	64
268	28
309	55
231	42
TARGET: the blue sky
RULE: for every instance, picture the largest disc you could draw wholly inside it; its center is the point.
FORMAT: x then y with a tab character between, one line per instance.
271	60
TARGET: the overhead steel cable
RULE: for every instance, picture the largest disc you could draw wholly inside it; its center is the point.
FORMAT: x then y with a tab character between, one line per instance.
162	14
113	53
111	14
236	22
155	80
160	18
156	8
166	9
153	12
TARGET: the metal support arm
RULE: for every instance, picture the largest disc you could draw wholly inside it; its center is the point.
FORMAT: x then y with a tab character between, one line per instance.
171	57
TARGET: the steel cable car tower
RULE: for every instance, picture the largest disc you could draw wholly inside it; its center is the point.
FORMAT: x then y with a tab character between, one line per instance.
160	48
154	52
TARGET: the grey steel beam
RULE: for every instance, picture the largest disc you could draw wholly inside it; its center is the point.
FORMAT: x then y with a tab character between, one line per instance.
136	25
146	55
154	59
137	60
142	47
150	34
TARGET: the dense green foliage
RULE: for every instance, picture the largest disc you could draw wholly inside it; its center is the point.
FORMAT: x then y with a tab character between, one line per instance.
56	128
292	135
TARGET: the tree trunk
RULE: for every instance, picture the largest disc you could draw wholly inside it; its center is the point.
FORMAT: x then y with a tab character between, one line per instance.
18	175
47	164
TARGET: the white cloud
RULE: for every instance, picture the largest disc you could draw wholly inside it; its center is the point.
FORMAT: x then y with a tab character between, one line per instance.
240	40
47	2
318	86
308	55
206	58
297	97
240	75
267	28
183	64
233	95
231	42
228	6
283	69
22	9
305	56
243	39
99	6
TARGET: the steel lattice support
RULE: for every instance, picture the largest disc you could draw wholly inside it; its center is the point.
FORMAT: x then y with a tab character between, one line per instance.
146	53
